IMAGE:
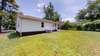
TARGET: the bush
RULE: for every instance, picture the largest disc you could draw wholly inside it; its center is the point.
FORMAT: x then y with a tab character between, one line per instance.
79	27
97	30
72	26
12	35
92	26
65	26
87	26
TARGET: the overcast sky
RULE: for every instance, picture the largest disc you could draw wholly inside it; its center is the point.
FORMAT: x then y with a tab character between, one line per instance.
66	8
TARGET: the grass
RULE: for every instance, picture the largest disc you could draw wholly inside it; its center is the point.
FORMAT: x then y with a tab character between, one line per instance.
62	43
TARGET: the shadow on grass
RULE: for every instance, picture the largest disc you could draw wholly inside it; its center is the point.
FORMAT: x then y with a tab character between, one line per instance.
13	35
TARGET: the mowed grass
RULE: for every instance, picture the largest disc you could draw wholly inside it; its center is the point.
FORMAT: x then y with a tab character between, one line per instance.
62	43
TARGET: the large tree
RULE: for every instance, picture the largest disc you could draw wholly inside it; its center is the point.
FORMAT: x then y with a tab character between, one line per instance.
50	13
81	14
92	12
6	8
2	7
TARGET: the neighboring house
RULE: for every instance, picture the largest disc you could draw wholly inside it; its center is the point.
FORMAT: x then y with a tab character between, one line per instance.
29	25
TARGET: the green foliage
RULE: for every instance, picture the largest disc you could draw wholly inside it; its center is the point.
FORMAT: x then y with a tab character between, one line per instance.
92	12
12	35
78	26
50	13
8	21
71	26
90	17
12	1
65	26
1	13
92	26
83	25
56	16
81	14
8	15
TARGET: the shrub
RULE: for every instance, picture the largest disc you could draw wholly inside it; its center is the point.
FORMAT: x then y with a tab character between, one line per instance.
92	26
65	26
87	26
72	26
12	35
79	27
97	30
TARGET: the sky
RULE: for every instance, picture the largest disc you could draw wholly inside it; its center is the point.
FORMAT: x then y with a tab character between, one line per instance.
68	9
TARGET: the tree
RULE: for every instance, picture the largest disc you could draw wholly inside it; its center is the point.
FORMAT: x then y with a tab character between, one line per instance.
9	21
81	14
7	7
92	12
56	16
50	13
2	7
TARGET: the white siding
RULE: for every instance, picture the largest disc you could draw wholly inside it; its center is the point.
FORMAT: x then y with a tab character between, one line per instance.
25	25
49	26
28	26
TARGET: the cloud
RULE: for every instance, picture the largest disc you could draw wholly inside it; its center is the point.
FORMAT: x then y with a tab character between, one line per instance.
69	19
40	6
39	10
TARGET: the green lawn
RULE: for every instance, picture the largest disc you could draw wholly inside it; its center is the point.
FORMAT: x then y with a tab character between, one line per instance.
62	43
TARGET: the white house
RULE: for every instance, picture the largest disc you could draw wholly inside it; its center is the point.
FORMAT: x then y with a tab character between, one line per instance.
29	25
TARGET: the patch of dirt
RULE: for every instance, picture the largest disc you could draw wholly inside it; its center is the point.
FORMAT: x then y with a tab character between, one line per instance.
4	35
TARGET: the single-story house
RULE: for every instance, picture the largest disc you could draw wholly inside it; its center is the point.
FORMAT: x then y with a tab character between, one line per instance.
29	25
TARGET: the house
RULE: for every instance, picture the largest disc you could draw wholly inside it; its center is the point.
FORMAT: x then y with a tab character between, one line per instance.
29	25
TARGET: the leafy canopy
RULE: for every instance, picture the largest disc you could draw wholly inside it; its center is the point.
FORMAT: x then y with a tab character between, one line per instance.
92	12
50	13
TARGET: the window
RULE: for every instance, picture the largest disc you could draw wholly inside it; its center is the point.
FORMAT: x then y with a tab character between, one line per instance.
42	24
